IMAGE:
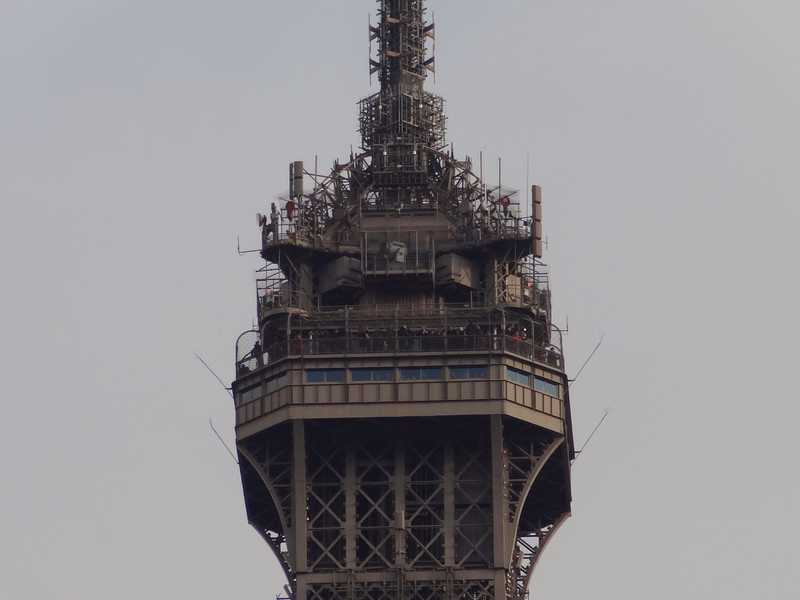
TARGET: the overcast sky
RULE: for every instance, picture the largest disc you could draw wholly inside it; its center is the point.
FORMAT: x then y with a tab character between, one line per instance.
138	139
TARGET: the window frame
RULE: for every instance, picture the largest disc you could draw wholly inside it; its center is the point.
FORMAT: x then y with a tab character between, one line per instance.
372	371
245	397
326	372
539	382
470	374
510	371
421	377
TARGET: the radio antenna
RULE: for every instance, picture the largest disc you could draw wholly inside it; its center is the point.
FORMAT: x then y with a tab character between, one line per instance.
591	435
586	362
221	441
210	370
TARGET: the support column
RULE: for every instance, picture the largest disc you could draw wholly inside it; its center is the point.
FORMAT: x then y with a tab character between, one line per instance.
449	505
299	492
350	484
302	589
500	586
499	504
400	504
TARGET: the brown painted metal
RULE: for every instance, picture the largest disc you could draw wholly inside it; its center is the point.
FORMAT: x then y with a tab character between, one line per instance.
402	412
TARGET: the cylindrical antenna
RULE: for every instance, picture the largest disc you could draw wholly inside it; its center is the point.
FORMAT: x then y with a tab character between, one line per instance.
527	183
433	21
499	177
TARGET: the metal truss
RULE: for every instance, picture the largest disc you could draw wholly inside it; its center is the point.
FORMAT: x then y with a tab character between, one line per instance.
474	590
392	516
326	506
271	457
279	546
526	456
425	505
387	119
446	589
528	550
401	35
374	505
473	504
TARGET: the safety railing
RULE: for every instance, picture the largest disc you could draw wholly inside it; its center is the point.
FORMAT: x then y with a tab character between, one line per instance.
475	306
249	354
283	230
299	347
498	228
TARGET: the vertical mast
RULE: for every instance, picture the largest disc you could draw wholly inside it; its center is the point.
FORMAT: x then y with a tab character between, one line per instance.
402	55
402	113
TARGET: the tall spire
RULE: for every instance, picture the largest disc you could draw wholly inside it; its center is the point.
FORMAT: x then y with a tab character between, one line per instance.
402	113
401	33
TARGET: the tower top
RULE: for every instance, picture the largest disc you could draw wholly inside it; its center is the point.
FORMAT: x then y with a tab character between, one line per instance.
403	424
402	60
402	117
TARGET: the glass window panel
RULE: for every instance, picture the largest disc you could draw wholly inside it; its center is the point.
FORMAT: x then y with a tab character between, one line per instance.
517	376
315	376
334	375
382	374
469	372
479	372
546	387
408	374
459	372
325	376
431	373
360	375
417	373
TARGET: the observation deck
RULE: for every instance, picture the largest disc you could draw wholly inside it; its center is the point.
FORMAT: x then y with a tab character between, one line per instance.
390	361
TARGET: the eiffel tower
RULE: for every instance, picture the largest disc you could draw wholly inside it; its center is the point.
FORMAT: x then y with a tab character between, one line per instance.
402	412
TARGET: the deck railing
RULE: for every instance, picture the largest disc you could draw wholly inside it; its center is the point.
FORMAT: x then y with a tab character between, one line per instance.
325	346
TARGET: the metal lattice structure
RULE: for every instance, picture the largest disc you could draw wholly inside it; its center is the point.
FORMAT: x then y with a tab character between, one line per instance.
402	413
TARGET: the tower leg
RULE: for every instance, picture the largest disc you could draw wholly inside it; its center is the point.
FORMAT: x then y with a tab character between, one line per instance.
299	506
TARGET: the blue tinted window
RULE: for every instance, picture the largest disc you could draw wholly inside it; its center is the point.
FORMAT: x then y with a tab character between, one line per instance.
431	373
469	372
417	373
546	387
517	376
372	374
325	376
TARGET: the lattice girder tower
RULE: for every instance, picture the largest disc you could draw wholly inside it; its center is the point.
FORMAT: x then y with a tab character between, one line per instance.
402	412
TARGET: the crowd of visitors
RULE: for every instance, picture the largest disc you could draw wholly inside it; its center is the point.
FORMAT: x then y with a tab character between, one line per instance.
515	337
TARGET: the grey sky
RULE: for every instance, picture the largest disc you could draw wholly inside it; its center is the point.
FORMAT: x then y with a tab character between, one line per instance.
138	138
